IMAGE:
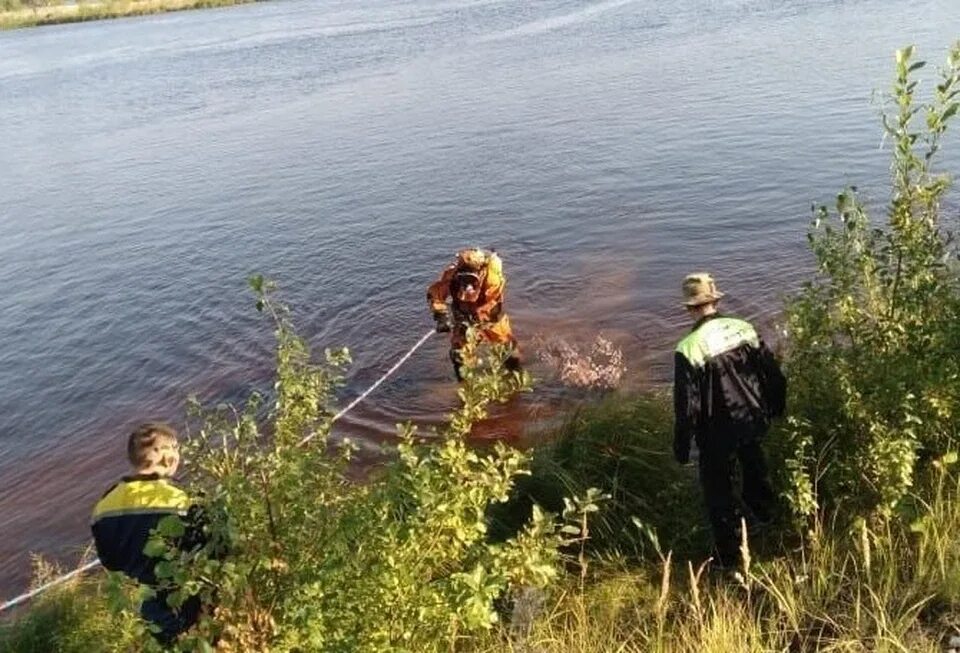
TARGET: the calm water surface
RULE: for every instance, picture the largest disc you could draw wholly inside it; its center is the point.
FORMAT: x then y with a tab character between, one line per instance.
348	148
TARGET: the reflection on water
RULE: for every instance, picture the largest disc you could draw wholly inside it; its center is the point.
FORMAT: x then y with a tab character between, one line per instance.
348	149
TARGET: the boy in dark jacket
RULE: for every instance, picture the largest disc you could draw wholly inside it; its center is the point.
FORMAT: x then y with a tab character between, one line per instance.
123	519
727	388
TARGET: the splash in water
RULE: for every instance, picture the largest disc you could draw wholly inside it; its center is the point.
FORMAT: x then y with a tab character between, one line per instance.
598	366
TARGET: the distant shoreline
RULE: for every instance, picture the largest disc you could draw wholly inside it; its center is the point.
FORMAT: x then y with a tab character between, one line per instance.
83	11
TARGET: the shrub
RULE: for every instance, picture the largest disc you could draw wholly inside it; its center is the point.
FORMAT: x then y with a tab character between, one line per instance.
398	562
874	339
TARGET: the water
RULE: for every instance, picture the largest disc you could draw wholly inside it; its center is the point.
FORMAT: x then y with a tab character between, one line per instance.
348	148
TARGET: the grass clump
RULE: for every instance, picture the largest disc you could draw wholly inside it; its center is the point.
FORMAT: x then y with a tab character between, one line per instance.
621	446
84	615
879	589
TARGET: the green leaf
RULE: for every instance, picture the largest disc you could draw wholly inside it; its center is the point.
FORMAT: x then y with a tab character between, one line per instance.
903	55
171	527
154	548
163	569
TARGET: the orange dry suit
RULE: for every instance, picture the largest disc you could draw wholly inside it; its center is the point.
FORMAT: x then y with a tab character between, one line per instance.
475	285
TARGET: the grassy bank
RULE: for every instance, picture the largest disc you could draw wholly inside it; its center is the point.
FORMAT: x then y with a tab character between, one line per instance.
860	585
891	586
16	16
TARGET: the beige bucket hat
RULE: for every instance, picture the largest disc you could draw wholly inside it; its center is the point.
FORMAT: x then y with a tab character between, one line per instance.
699	288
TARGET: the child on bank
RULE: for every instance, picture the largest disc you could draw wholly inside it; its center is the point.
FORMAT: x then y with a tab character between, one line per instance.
130	510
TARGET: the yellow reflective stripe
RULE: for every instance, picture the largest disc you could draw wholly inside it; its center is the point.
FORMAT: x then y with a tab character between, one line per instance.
142	496
717	337
138	512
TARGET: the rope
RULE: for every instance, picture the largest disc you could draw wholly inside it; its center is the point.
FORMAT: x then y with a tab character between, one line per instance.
23	598
366	393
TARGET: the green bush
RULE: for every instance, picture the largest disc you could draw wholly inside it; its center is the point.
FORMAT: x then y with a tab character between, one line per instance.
398	562
873	359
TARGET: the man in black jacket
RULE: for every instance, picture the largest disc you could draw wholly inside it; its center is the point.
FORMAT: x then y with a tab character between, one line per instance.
727	388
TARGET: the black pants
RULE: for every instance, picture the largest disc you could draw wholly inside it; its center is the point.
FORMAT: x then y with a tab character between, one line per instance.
169	622
718	474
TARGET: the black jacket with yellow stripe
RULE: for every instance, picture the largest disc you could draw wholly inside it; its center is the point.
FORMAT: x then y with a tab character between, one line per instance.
727	386
123	518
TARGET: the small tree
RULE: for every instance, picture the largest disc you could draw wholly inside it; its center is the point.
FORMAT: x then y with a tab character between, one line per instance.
873	360
399	562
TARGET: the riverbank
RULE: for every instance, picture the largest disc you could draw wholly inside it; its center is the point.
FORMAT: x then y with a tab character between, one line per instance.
84	11
882	587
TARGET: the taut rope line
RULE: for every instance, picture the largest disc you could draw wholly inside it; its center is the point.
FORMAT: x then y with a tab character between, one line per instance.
23	598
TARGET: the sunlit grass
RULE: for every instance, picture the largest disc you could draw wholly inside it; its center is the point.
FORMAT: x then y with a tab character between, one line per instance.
890	588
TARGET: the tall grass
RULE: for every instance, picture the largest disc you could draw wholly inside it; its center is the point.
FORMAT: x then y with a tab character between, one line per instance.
887	588
77	617
891	586
621	446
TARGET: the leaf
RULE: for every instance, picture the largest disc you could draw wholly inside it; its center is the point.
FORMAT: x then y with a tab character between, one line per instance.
903	55
171	527
163	569
154	548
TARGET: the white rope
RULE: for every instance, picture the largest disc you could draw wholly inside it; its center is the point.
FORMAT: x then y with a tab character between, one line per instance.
368	391
23	598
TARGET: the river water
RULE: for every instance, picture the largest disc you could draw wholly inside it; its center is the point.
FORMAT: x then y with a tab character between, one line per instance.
347	148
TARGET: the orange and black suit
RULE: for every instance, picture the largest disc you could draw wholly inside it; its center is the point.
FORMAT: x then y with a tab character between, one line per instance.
474	284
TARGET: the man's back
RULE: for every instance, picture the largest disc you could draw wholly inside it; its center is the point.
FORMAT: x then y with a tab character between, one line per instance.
726	376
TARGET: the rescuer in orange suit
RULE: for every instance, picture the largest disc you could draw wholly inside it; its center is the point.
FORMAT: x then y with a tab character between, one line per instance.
475	285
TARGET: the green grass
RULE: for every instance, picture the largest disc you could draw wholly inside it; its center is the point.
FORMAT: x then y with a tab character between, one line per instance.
891	586
75	618
622	446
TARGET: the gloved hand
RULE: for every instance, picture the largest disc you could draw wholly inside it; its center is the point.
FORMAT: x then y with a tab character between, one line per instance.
442	318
